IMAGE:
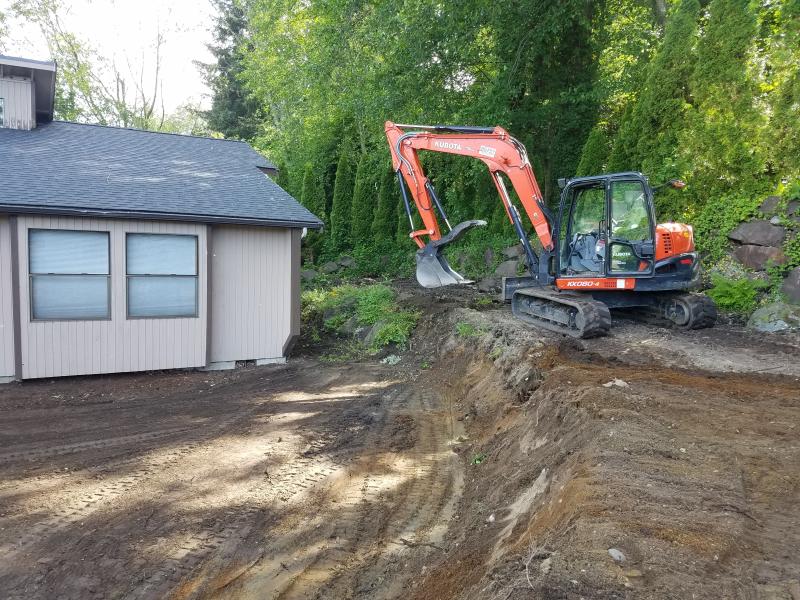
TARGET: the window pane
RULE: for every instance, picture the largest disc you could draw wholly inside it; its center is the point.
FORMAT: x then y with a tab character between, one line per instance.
162	296
76	252
629	217
159	254
69	296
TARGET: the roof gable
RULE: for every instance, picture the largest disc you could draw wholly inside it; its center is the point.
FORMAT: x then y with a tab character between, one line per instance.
71	168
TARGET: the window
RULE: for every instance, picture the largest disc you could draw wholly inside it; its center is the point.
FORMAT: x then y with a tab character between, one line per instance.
630	219
69	274
2	112
162	275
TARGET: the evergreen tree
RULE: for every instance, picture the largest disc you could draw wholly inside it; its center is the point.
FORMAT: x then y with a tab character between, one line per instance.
498	222
313	198
648	139
364	196
233	112
402	227
340	217
783	134
595	153
720	142
384	222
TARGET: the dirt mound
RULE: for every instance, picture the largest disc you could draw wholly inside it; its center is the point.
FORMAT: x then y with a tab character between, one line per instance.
590	477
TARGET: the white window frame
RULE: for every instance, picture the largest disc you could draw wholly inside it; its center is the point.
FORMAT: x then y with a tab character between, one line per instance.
32	276
196	277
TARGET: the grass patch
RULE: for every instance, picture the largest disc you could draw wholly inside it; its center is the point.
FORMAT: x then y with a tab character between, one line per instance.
466	330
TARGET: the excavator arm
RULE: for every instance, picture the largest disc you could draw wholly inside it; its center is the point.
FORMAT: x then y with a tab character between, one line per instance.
500	152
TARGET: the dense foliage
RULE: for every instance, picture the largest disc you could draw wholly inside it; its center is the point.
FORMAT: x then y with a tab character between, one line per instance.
705	91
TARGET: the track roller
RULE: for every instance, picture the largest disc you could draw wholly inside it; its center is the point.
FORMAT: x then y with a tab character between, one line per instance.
576	316
689	311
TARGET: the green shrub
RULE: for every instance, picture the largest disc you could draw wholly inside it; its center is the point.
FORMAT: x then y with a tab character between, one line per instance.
735	295
370	305
466	330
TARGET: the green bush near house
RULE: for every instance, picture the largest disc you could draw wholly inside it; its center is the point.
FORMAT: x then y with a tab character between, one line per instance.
372	309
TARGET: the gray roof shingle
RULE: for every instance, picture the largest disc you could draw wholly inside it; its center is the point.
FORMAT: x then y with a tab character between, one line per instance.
71	168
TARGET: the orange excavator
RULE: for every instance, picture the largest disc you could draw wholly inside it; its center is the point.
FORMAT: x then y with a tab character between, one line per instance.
603	250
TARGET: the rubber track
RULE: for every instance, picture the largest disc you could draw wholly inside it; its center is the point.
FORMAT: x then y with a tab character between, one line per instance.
596	316
702	309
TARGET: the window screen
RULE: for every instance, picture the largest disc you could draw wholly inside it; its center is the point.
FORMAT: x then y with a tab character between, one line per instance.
69	274
162	275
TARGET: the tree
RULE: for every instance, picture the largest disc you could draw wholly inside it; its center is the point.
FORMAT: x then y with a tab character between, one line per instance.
88	88
595	152
720	142
339	239
233	112
312	197
384	221
648	140
364	196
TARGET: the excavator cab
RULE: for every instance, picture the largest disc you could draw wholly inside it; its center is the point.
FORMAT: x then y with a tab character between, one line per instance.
606	227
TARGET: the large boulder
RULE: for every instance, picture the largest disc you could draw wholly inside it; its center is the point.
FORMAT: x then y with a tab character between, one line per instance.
348	262
775	317
791	286
507	268
489	284
770	205
759	257
759	233
330	267
308	274
793	208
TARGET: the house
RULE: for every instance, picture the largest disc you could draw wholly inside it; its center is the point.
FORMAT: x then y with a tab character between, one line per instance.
126	250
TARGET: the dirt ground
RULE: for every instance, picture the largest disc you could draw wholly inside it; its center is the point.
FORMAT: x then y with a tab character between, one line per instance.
504	463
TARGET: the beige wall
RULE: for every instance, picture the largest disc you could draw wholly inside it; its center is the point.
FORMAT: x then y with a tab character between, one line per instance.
6	303
254	292
53	348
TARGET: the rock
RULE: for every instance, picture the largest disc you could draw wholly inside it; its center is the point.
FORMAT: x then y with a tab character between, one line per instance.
392	360
350	326
330	267
490	518
488	257
513	251
791	286
372	333
616	383
759	257
759	233
489	284
308	274
775	317
616	554
793	208
545	566
770	205
507	268
347	262
775	221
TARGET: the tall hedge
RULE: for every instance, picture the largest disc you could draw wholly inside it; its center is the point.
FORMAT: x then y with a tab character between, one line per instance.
648	140
364	197
340	226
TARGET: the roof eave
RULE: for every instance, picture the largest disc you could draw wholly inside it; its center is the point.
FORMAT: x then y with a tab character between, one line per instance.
154	216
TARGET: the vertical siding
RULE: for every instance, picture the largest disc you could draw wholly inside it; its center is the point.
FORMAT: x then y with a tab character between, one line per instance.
55	348
251	292
6	302
18	95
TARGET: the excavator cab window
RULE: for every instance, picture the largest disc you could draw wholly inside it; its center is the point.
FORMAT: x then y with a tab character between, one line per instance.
631	229
583	235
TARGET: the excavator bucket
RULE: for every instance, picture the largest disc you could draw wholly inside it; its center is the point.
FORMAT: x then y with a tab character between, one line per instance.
432	268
